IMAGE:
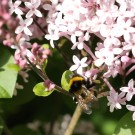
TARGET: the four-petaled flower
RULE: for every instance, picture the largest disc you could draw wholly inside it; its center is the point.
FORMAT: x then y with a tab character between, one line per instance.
130	90
131	108
24	26
116	100
33	5
79	64
130	45
103	56
14	7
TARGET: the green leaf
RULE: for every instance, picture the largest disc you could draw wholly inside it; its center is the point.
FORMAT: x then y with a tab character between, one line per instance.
126	125
8	76
21	93
65	79
108	126
13	66
39	90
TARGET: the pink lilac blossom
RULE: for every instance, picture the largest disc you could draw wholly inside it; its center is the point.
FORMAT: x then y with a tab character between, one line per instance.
48	85
130	45
131	108
73	13
40	54
111	22
14	7
6	20
33	5
130	90
116	100
92	73
114	69
24	26
19	56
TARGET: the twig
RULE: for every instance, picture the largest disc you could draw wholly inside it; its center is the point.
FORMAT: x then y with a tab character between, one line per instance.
74	120
39	26
108	84
87	49
130	70
44	77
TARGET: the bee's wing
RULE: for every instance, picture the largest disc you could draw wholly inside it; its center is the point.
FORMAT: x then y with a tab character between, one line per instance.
85	107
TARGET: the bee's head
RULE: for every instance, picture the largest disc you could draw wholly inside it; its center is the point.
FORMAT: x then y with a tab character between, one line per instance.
76	83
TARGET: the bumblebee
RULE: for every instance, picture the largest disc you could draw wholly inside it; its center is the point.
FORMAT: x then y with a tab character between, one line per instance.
83	93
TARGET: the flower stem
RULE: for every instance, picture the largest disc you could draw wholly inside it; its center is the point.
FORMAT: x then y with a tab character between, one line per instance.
44	77
99	35
39	26
108	84
130	70
87	49
74	120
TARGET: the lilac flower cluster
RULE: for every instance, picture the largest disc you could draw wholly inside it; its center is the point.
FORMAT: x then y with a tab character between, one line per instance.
112	21
16	29
26	31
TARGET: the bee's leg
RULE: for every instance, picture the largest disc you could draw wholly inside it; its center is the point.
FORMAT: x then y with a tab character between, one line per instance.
94	91
75	100
103	94
83	95
88	84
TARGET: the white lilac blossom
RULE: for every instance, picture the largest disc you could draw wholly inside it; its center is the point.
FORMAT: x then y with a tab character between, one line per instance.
131	108
14	7
130	90
33	5
52	37
103	56
130	45
116	100
24	26
79	64
103	19
124	28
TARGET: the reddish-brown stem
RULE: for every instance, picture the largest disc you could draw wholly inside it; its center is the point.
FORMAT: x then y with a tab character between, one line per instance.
108	84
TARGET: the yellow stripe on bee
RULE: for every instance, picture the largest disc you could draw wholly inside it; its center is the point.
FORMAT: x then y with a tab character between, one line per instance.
76	78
